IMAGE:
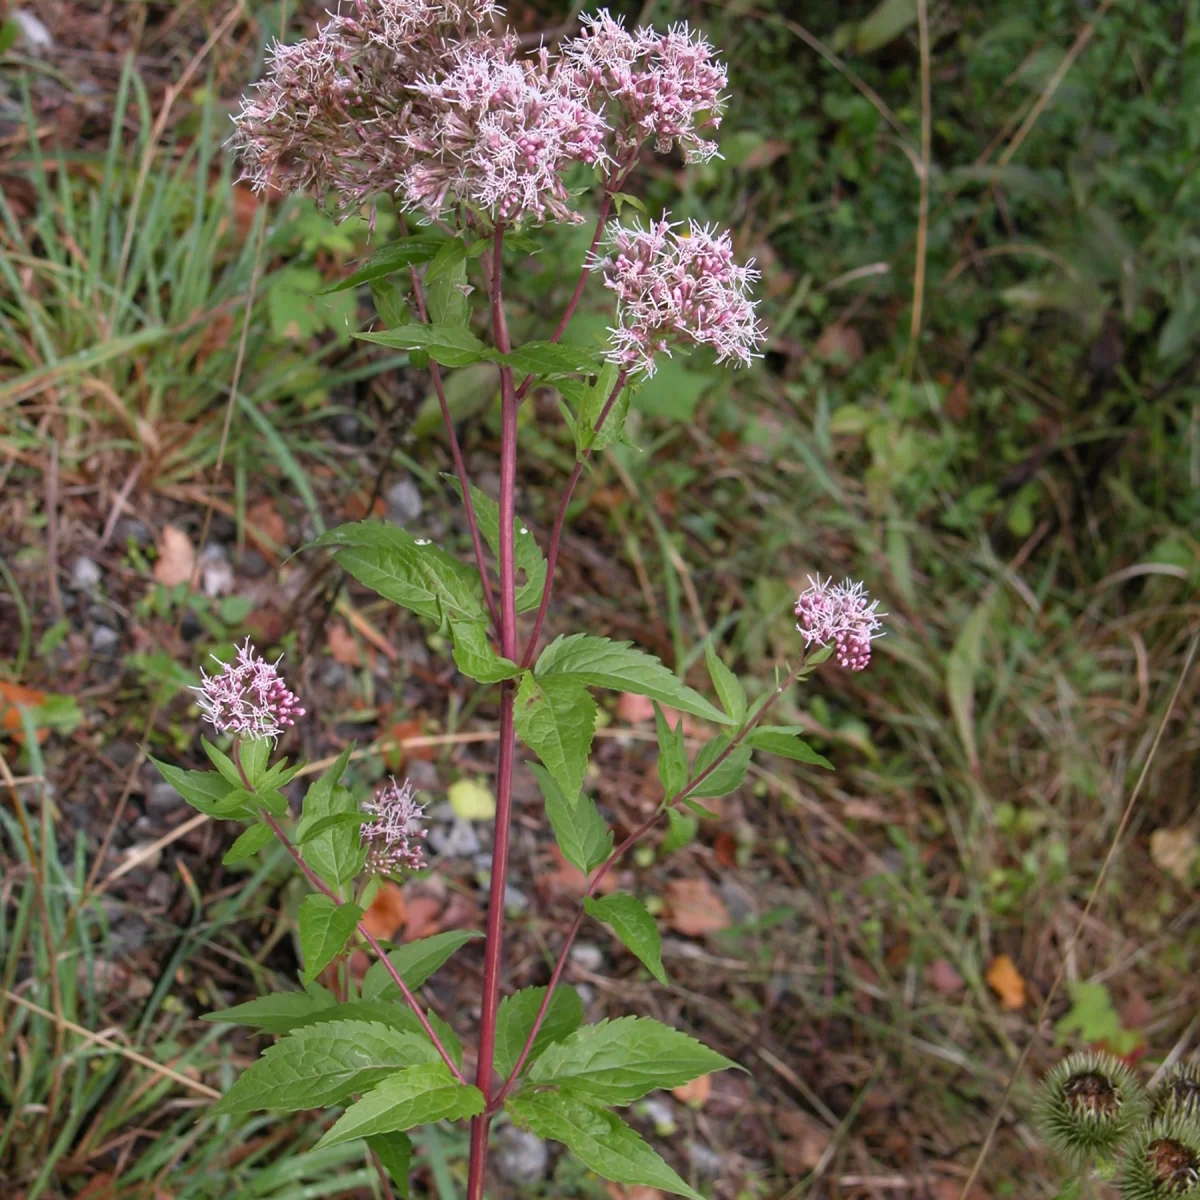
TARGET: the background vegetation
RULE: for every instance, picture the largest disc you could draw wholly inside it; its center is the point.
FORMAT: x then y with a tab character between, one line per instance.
979	225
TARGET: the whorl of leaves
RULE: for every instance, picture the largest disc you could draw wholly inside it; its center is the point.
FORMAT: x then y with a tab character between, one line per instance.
1162	1160
1088	1105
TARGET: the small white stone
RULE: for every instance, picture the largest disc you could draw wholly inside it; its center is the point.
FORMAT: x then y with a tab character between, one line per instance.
34	35
423	542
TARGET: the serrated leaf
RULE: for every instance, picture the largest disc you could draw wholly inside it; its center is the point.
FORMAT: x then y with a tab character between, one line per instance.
414	963
207	791
450	345
602	662
527	554
390	303
549	358
476	657
519	1011
705	814
579	829
556	719
728	686
616	1062
411	1097
393	257
598	1138
591	401
254	755
450	254
681	830
248	844
385	1012
333	821
276	1013
727	776
446	290
394	1150
672	754
323	1065
224	764
338	854
779	739
626	915
325	927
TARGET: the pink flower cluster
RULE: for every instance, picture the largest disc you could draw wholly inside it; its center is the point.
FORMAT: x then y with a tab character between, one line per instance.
395	838
676	287
248	697
661	86
839	615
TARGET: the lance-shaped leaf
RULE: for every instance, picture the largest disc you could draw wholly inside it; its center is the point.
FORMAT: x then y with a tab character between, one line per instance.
248	844
450	345
519	1011
628	918
579	829
725	777
325	927
556	717
390	1013
276	1013
476	657
338	854
414	963
783	740
393	257
394	1151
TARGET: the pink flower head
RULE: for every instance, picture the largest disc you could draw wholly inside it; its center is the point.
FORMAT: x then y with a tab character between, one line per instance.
679	288
839	615
665	87
500	134
248	697
395	838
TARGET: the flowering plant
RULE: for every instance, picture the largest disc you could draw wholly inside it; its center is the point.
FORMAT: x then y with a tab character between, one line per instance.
424	102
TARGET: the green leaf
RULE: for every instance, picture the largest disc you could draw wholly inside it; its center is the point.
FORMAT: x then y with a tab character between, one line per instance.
205	790
886	22
390	303
254	755
779	739
407	570
681	829
615	1062
556	718
519	1011
579	829
598	1138
728	775
446	261
394	1150
248	844
591	401
672	754
276	1013
408	1098
602	662
334	821
446	289
728	686
549	358
337	855
475	656
630	921
323	1065
527	554
385	1012
224	764
450	345
395	256
414	963
325	927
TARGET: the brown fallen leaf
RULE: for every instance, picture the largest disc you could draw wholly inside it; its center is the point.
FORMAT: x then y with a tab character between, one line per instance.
839	345
422	918
802	1142
695	907
943	978
11	721
266	526
1174	851
695	1093
387	913
1006	981
176	557
342	646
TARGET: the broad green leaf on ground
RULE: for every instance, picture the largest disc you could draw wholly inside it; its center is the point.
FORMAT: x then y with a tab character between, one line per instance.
394	1150
276	1013
393	257
727	776
549	358
783	740
527	554
616	1062
626	915
604	663
555	718
394	1014
249	843
579	829
598	1138
323	1065
517	1014
325	927
207	791
672	754
450	345
728	686
476	657
408	1098
414	963
338	854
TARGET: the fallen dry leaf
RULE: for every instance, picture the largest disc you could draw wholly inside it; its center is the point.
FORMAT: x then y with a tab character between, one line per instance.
355	508
397	756
266	526
1174	851
863	810
176	557
725	848
695	1093
764	155
387	913
422	918
633	709
638	1192
802	1143
958	401
1006	981
342	646
12	695
565	880
839	345
943	978
695	907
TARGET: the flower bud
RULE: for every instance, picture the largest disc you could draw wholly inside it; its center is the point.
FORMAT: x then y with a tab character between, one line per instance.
1179	1093
1088	1105
1162	1162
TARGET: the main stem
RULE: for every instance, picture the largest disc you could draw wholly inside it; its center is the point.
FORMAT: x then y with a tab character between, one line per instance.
494	954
